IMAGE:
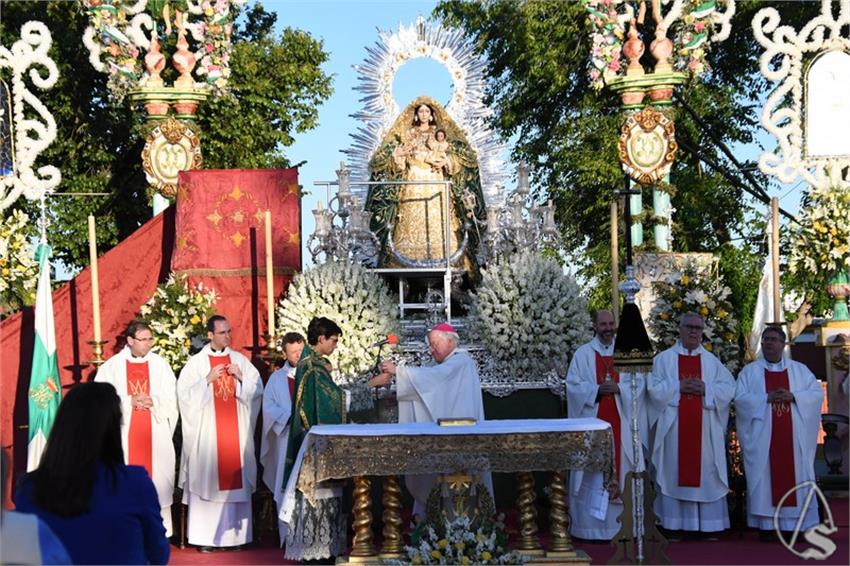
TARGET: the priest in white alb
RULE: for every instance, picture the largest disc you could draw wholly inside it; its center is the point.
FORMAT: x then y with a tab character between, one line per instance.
220	395
148	391
595	389
777	410
689	394
277	409
450	389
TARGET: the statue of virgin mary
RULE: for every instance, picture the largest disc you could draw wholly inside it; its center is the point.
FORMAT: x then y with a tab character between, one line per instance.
424	144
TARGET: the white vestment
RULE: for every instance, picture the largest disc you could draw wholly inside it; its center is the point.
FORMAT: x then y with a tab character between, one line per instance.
277	408
678	507
754	423
163	391
581	402
451	389
217	517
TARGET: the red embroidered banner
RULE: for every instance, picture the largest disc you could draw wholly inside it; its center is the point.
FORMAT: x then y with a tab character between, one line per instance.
228	449
220	241
781	454
607	410
140	440
690	425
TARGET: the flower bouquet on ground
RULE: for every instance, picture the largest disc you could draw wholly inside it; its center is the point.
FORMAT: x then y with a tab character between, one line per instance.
455	542
177	314
690	291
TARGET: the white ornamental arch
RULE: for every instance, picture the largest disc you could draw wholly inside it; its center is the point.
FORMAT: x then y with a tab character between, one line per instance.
376	74
784	61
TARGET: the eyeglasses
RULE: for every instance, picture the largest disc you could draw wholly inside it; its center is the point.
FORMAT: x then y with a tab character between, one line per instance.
223	332
150	339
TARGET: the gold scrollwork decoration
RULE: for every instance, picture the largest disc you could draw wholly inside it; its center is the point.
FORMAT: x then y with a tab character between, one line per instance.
171	147
647	146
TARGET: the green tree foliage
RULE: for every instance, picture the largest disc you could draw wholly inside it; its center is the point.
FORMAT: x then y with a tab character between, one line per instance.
537	54
277	84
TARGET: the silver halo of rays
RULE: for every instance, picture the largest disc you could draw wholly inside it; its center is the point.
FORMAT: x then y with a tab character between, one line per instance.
376	74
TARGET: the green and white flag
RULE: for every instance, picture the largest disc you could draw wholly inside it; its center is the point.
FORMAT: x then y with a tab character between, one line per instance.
44	392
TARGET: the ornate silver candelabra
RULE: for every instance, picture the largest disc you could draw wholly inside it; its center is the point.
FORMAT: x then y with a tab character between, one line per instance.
518	223
342	229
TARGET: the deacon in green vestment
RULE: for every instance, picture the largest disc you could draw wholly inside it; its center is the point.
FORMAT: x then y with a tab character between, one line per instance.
318	531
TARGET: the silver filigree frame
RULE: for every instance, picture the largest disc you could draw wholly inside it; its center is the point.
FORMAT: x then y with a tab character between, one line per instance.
376	74
783	62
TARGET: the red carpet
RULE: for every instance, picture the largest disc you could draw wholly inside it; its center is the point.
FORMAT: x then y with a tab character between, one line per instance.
732	548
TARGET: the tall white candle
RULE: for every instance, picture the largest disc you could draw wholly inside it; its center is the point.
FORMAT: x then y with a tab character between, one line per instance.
95	285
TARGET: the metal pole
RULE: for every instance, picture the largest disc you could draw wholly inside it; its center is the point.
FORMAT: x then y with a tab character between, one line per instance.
774	252
615	264
446	241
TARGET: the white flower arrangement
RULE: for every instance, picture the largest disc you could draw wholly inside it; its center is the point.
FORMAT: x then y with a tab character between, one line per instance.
688	291
354	298
530	315
18	267
820	243
454	542
177	314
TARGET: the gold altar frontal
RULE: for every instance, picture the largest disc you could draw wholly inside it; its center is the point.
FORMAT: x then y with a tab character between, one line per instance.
522	446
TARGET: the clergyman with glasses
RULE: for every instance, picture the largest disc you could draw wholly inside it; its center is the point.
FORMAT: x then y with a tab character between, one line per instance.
689	395
148	391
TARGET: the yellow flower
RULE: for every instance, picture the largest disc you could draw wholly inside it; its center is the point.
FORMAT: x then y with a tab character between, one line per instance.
5	271
464	561
442	543
721	313
486	555
416	560
677	304
685	279
435	554
709	347
460	546
665	316
195	319
704	311
3	262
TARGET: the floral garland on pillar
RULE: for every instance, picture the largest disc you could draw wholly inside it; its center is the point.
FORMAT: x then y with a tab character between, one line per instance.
688	291
118	39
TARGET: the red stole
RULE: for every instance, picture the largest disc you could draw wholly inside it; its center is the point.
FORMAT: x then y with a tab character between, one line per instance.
690	425
607	410
228	449
782	472
139	438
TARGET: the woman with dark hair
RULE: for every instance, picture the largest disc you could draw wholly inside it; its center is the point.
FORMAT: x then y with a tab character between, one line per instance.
104	511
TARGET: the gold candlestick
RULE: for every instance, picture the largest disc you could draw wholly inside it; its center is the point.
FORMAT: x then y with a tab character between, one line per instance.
96	352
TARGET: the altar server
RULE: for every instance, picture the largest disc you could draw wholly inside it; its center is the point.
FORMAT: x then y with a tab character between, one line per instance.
148	391
777	403
220	395
595	389
450	389
690	391
277	409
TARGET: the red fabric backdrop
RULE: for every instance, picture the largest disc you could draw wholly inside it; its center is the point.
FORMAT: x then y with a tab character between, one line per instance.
186	238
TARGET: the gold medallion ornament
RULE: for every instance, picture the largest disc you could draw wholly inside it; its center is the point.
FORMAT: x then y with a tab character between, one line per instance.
170	148
647	146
